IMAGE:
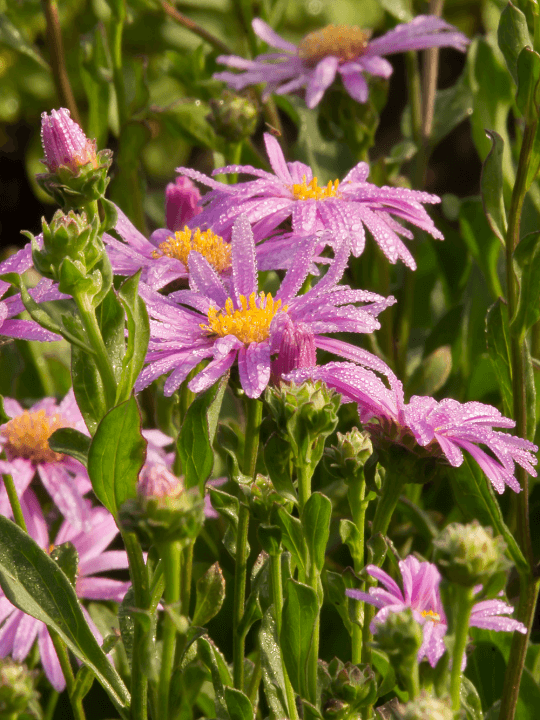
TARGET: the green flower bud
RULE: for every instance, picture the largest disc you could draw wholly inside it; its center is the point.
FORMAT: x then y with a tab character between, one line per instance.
469	554
163	511
233	117
346	460
400	637
17	692
348	688
424	707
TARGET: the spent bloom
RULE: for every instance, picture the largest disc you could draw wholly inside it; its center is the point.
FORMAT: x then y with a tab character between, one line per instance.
64	142
343	49
19	631
343	209
420	593
247	327
429	427
24	440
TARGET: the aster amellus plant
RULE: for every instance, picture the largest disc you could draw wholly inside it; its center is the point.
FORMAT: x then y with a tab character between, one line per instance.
251	466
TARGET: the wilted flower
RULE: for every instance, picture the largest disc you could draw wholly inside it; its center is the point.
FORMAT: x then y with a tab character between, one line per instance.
19	631
244	326
344	209
421	594
342	49
64	142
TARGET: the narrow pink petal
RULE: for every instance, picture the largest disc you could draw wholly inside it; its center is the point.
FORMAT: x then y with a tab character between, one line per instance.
320	79
94	588
386	580
109	560
212	372
27	631
355	84
49	660
277	159
244	264
254	368
269	36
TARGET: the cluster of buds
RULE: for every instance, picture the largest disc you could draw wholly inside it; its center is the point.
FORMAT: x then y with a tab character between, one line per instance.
233	117
18	696
346	459
163	511
424	707
346	688
77	173
400	637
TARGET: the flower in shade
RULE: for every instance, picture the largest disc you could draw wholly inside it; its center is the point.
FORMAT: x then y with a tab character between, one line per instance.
64	142
19	631
343	49
247	327
24	440
426	426
420	582
344	209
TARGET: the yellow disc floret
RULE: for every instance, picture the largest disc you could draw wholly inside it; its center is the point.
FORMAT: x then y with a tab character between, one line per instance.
250	323
210	245
27	435
431	615
304	191
342	41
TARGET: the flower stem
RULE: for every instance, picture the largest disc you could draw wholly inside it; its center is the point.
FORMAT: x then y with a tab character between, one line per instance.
197	29
185	580
63	658
391	490
171	554
355	495
463	607
52	701
14	502
529	585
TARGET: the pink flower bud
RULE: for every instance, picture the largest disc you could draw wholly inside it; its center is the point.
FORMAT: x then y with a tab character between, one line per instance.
157	482
64	142
181	198
297	350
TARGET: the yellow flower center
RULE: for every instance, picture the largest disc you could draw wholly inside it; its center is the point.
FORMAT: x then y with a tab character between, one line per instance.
210	245
251	323
343	41
304	191
27	436
430	615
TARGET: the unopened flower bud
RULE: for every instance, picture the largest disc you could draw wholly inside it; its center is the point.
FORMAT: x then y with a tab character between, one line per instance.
232	116
346	460
17	692
181	203
424	707
469	554
297	349
64	142
262	498
400	636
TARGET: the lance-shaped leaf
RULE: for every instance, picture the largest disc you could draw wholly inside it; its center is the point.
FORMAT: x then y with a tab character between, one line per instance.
238	704
34	583
498	345
69	441
276	459
272	668
116	456
299	614
491	185
210	595
528	70
292	537
196	436
513	36
316	522
138	327
527	267
111	320
88	388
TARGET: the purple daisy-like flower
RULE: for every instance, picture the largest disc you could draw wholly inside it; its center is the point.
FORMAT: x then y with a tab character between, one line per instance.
343	49
345	210
18	631
24	440
420	593
444	428
246	327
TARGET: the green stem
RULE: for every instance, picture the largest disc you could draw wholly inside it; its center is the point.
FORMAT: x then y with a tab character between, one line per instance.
186	567
413	681
464	603
255	681
101	357
391	490
529	585
254	410
63	658
171	553
277	599
173	13
139	579
116	33
14	502
52	700
355	495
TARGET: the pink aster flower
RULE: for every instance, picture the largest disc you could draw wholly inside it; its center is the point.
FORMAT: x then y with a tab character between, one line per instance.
343	49
427	426
19	631
24	440
420	581
181	203
246	327
345	210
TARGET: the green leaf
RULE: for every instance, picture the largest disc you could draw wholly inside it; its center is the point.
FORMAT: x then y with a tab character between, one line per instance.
221	676
293	537
88	388
95	81
513	36
228	507
111	321
481	242
350	537
316	522
527	267
432	373
195	439
3	417
210	595
276	459
35	584
491	185
116	456
67	559
238	704
470	700
189	121
138	327
272	668
299	613
534	162
336	593
452	106
69	441
528	70
399	9
11	36
498	345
